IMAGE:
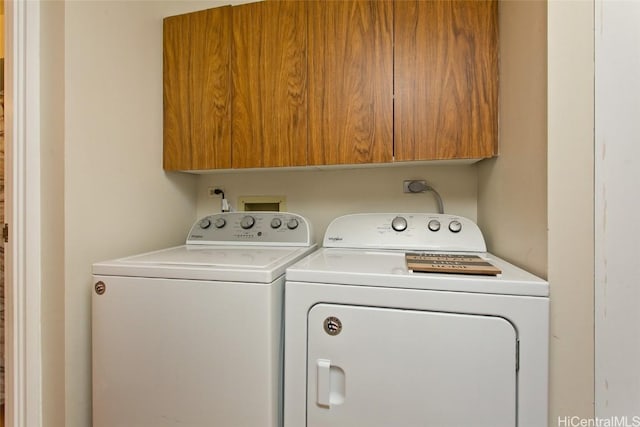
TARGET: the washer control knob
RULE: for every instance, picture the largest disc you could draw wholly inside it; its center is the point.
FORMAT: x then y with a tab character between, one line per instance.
434	225
399	223
205	223
247	222
276	223
292	224
220	222
455	226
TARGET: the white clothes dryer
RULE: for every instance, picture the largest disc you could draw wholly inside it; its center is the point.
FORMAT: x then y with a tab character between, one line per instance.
192	335
370	342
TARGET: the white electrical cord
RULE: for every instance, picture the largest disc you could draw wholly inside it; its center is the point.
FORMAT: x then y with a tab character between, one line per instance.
422	187
437	197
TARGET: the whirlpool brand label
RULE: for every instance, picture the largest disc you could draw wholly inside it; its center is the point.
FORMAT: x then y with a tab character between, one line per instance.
332	325
335	238
100	287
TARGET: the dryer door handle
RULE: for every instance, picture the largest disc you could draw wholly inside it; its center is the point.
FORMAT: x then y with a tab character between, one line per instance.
323	382
330	384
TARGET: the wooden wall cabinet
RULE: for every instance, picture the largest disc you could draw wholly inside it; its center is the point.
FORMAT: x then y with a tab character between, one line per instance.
350	82
235	87
269	80
197	92
446	79
294	83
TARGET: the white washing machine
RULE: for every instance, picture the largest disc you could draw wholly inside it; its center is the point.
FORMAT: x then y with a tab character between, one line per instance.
369	342
192	335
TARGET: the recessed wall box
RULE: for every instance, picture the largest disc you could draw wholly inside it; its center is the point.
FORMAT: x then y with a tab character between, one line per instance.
262	203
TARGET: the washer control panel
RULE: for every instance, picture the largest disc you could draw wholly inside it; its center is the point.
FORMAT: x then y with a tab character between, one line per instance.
413	231
251	228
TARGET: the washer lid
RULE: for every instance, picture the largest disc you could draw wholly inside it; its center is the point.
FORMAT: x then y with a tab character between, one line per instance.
388	269
257	264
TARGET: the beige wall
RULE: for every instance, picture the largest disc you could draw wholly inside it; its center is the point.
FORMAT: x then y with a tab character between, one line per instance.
322	195
571	232
117	199
544	178
512	188
53	227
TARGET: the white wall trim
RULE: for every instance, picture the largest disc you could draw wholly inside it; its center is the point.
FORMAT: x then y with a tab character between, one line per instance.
617	201
23	251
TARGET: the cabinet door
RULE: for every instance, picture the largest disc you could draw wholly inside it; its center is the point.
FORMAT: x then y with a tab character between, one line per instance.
269	77
446	79
350	82
197	117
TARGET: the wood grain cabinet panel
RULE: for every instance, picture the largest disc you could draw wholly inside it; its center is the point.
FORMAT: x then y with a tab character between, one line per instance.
446	79
350	82
293	83
197	120
269	79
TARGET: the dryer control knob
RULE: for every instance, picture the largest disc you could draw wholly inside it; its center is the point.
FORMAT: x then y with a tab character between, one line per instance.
205	223
434	225
247	222
276	223
292	224
455	226
220	222
399	223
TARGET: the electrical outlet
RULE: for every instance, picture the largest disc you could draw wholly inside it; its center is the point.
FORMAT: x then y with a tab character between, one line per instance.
211	191
417	185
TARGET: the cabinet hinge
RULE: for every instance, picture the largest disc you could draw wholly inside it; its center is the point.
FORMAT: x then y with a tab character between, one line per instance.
5	232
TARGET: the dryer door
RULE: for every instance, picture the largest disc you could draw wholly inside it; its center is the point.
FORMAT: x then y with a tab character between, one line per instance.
380	367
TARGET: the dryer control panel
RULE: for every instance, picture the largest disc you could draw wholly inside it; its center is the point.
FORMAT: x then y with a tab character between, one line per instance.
251	228
410	231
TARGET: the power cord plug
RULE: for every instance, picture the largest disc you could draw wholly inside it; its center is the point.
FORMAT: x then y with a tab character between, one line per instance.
225	204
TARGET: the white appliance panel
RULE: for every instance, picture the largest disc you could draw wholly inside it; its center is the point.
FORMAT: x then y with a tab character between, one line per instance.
251	228
411	231
409	368
240	257
389	269
193	335
456	365
185	352
260	264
